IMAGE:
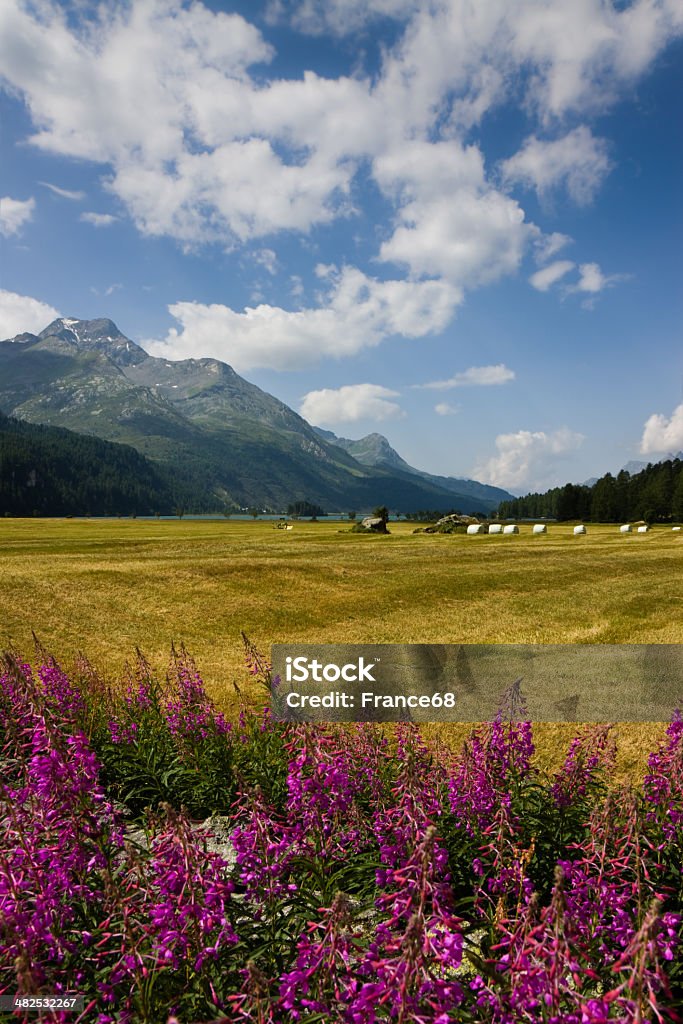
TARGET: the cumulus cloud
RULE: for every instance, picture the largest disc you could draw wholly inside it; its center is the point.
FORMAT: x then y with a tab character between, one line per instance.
547	246
19	313
199	143
75	195
98	220
592	279
543	279
446	409
14	213
359	312
449	221
581	53
350	403
202	147
577	161
663	435
475	376
528	459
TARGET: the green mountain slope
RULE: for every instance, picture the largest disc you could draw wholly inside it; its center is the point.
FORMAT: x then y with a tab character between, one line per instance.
52	471
196	417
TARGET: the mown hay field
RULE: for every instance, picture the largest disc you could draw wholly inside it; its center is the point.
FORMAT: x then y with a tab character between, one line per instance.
105	587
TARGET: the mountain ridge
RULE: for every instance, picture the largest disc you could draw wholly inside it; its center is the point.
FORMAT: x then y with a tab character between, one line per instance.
198	415
375	450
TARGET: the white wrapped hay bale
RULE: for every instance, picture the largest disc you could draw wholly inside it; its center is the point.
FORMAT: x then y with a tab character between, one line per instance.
511	528
579	529
626	528
676	529
495	528
643	529
540	528
475	528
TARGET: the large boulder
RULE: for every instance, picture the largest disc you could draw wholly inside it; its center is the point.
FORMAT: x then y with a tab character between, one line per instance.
372	524
453	523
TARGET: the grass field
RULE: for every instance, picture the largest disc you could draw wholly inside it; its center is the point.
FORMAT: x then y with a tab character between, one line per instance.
106	586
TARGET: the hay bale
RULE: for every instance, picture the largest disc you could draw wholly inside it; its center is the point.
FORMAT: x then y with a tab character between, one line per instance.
540	528
643	529
579	530
626	528
496	528
511	528
475	528
676	529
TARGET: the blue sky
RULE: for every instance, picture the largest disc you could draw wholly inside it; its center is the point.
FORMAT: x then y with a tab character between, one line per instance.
456	223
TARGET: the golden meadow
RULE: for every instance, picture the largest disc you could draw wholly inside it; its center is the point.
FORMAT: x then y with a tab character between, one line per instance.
105	587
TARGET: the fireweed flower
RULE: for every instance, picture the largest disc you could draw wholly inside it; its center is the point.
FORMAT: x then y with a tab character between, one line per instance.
150	927
484	772
190	714
61	696
592	751
58	835
663	785
323	979
121	733
189	914
410	966
323	790
265	848
415	805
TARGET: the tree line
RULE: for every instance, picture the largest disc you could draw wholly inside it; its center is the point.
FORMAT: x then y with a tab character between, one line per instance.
655	495
51	471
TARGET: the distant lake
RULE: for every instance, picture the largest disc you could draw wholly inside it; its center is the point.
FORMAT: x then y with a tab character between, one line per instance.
333	517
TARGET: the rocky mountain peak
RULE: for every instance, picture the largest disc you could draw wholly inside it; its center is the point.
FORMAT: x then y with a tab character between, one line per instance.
100	335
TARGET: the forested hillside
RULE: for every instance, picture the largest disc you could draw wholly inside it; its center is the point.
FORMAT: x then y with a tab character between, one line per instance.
655	495
51	471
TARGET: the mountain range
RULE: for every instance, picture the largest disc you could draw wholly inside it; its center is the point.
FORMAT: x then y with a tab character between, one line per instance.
374	450
637	466
239	445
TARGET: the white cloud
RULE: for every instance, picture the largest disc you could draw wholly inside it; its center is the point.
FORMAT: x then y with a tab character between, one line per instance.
350	403
543	279
201	149
528	459
591	282
266	258
581	53
547	246
20	313
14	213
359	312
108	290
449	221
64	193
198	143
663	435
98	220
337	16
592	279
578	162
475	376
446	409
